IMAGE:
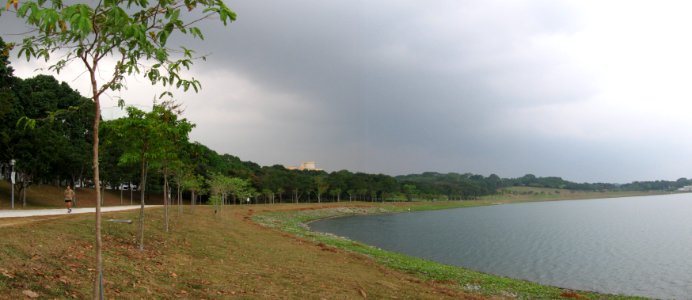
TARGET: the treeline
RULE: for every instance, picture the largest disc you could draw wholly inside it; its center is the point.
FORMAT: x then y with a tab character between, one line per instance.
559	183
452	186
45	127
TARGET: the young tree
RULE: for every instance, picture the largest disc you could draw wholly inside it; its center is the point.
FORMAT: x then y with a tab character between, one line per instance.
218	186
130	32
171	133
239	188
139	130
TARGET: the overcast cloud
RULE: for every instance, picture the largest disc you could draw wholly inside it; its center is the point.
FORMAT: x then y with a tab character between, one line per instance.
586	90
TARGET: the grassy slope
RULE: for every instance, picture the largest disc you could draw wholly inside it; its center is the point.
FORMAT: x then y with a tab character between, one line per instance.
204	256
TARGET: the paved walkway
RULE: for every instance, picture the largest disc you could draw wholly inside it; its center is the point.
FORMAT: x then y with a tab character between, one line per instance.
63	211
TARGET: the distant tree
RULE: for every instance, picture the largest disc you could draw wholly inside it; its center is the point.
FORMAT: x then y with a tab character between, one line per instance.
321	186
338	181
410	191
351	193
336	193
274	179
385	185
192	183
280	191
300	183
269	195
219	185
358	183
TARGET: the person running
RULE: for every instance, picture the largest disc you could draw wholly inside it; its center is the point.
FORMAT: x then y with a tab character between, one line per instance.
69	197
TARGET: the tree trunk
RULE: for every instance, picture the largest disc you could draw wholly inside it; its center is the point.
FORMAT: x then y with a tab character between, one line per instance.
180	200
98	283
142	187
24	188
166	200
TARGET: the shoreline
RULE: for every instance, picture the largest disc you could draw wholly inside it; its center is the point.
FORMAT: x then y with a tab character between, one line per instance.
466	280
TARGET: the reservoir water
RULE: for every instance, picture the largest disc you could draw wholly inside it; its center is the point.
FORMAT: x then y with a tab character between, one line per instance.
634	246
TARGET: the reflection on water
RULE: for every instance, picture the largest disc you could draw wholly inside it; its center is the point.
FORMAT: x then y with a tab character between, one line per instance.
634	246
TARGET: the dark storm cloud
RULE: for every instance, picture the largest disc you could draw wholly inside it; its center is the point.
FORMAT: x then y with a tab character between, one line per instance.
545	87
398	76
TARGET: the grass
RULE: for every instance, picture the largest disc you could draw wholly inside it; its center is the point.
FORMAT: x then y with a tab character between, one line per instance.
205	256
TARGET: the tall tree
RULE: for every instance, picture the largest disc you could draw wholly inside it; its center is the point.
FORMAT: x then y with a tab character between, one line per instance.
8	103
131	32
55	147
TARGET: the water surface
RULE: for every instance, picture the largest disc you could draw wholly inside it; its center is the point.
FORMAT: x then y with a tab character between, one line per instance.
634	246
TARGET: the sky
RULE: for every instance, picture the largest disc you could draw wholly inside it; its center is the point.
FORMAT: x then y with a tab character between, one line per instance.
591	91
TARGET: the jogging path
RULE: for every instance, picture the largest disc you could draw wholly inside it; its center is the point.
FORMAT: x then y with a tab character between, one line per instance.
63	211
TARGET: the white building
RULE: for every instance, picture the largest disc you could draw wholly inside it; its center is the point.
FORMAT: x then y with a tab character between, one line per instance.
306	166
687	188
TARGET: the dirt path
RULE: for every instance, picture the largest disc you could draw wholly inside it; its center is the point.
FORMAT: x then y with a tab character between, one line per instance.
24	216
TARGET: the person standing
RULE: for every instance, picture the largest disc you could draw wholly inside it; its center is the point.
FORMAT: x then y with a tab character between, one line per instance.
69	197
